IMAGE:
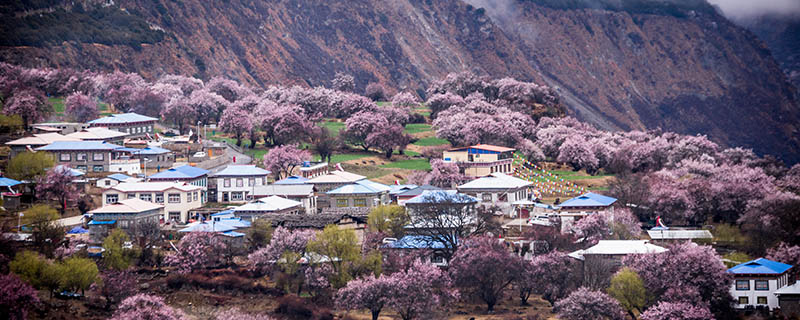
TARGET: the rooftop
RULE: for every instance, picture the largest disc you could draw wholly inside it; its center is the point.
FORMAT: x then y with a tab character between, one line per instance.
619	247
97	133
679	234
292	180
337	177
153	186
589	199
417	191
284	190
180	173
361	187
268	204
396	189
145	151
6	182
127	206
793	289
79	145
497	180
487	147
760	266
119	177
416	242
441	196
317	221
41	139
241	170
122	119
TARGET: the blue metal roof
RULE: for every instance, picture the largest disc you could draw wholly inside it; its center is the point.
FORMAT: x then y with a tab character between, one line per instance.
589	200
182	172
242	170
73	172
6	182
292	180
359	187
96	222
79	145
118	177
417	191
233	234
760	266
441	196
122	118
400	188
222	213
146	151
416	242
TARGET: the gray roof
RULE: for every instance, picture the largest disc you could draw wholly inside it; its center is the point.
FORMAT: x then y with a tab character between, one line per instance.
284	190
417	191
236	170
79	145
497	180
316	221
360	187
679	234
122	119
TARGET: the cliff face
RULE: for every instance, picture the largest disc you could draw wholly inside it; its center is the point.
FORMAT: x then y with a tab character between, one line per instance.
692	74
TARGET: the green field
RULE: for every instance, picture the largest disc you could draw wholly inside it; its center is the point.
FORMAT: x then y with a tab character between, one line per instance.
413	128
333	126
431	141
338	157
58	105
411	164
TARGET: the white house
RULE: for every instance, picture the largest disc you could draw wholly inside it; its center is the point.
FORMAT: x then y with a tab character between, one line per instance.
267	206
124	214
578	207
298	192
115	179
236	183
498	189
177	198
755	283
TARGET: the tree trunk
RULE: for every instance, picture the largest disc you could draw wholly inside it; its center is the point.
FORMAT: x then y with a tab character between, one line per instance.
389	154
375	314
238	140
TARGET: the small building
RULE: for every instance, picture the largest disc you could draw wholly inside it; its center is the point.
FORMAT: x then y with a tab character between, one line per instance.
497	189
678	235
345	218
334	179
404	196
292	180
420	246
578	207
303	193
35	141
59	127
115	179
86	156
177	198
236	183
99	134
362	193
186	174
124	214
257	209
755	283
135	125
396	189
432	198
789	300
311	169
602	260
151	157
481	160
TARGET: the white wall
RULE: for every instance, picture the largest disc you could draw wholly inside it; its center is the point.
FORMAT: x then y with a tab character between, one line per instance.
753	294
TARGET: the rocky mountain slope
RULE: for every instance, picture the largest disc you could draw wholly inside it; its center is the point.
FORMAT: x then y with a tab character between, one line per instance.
685	69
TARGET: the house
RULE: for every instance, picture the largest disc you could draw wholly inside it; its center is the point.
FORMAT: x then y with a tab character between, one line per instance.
88	156
124	214
404	196
303	193
345	218
789	300
324	183
420	246
37	140
151	157
135	125
257	209
115	179
481	160
99	134
578	207
362	193
497	189
434	198
236	183
396	189
679	235
292	180
224	225
755	283
186	174
311	169
59	127
178	198
602	260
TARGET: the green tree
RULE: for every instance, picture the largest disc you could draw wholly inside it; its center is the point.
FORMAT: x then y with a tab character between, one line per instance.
78	274
10	124
47	233
628	288
340	248
28	265
260	234
116	257
51	277
388	220
28	165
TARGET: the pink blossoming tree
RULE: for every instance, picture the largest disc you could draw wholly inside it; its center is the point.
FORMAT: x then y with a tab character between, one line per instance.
81	107
284	159
16	297
587	304
57	185
468	269
146	307
677	310
236	121
197	250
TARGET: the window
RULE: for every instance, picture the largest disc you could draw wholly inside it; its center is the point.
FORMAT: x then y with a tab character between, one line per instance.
744	300
98	156
742	284
160	197
188	197
239	182
237	196
227	183
65	157
132	196
97	168
341	203
761	300
762	285
81	157
251	182
146	197
360	202
111	198
174	198
194	195
264	180
437	259
487	197
108	182
81	168
175	215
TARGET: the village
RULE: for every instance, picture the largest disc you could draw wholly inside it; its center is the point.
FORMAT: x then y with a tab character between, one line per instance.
350	217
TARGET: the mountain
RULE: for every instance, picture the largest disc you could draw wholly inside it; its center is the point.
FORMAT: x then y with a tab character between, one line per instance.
621	65
781	33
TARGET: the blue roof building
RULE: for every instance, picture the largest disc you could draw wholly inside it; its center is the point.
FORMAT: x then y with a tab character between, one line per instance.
123	118
421	242
237	183
362	193
441	196
292	180
360	187
79	146
756	281
589	200
119	177
182	173
135	125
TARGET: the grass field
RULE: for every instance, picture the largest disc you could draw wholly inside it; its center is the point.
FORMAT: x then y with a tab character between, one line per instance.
413	128
333	126
58	105
411	164
431	141
338	157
